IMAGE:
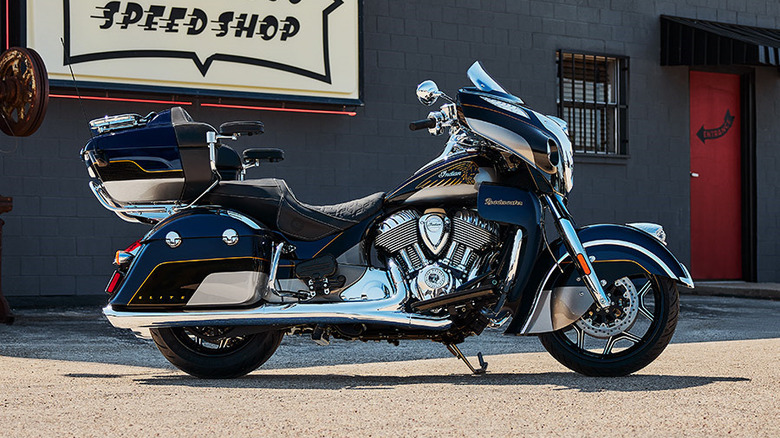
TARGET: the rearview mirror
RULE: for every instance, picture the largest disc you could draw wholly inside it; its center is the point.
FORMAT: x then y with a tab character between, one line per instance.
428	92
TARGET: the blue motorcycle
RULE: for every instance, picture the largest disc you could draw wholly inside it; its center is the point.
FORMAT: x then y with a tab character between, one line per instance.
231	265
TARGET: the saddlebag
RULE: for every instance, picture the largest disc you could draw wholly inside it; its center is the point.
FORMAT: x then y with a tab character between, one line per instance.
198	258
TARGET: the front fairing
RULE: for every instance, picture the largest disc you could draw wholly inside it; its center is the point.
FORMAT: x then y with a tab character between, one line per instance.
563	181
536	139
539	140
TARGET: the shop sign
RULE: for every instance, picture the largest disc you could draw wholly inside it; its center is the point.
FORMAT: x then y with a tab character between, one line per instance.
307	49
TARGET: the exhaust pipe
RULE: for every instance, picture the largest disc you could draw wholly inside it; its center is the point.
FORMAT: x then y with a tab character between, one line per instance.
385	312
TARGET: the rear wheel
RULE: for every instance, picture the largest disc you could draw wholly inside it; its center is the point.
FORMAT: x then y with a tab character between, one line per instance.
215	352
623	338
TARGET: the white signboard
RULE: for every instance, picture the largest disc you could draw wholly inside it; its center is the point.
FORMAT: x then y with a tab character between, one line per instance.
306	48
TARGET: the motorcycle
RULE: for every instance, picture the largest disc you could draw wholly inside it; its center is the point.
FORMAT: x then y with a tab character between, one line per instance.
231	264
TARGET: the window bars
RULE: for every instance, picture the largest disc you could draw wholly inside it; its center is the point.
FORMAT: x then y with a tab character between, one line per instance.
593	99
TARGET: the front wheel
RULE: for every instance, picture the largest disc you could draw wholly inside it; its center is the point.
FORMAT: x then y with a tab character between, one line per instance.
623	338
215	352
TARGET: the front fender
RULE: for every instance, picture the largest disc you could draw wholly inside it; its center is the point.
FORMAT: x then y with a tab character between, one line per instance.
613	248
610	242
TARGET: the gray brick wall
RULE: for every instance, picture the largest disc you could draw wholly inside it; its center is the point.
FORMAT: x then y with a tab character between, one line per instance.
59	241
767	175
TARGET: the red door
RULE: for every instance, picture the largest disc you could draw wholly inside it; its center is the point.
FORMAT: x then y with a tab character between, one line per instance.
716	180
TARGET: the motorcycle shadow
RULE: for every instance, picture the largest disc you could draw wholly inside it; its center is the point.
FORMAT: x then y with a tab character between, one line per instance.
559	380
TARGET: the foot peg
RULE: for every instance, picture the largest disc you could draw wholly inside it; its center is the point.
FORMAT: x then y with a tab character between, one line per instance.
320	336
457	353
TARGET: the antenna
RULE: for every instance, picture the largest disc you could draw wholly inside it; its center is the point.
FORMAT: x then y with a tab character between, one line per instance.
78	93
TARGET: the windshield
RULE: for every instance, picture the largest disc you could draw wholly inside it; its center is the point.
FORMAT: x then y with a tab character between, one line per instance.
482	80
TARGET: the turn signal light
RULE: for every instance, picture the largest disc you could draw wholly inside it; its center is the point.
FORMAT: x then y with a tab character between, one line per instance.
126	255
583	264
122	257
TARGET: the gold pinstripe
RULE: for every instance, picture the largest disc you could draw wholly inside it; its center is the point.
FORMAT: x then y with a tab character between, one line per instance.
327	244
144	170
183	261
566	262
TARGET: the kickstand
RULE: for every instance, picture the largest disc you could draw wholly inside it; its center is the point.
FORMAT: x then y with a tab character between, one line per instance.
457	353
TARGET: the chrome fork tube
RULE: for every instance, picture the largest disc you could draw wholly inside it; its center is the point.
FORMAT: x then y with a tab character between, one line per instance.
577	252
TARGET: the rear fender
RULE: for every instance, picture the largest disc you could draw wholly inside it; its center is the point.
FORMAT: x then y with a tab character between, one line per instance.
556	299
222	259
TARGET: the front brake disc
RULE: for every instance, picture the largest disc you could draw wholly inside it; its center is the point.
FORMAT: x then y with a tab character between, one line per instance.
617	318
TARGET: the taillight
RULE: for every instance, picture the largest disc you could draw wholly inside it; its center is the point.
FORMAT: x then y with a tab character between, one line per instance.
126	256
134	246
114	282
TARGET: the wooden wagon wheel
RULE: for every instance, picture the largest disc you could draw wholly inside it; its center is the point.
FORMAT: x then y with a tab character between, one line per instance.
24	91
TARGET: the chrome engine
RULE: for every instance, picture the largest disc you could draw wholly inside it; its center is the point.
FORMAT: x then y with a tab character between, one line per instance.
435	251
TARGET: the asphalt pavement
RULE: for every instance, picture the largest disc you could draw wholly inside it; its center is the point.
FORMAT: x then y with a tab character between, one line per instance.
67	372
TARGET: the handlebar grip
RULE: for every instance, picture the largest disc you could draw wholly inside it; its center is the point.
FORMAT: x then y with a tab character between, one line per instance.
422	124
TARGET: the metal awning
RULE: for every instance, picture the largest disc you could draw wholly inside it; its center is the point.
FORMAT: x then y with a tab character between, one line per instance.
686	41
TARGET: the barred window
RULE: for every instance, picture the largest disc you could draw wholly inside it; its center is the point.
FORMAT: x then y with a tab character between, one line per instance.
593	99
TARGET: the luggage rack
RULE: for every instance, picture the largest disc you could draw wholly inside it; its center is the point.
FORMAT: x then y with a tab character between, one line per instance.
132	212
151	212
118	122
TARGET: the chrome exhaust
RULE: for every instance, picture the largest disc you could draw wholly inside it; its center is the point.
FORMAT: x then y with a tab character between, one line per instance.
386	312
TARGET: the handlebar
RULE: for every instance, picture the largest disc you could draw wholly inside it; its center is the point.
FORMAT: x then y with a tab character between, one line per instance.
422	124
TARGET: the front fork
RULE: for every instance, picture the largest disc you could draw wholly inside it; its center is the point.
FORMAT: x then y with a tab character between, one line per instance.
577	252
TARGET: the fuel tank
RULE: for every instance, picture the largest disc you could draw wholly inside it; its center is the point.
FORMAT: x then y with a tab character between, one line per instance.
454	179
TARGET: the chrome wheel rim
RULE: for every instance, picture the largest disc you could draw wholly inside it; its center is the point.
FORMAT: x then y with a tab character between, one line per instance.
639	322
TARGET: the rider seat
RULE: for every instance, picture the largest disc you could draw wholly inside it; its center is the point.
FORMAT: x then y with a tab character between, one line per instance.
271	201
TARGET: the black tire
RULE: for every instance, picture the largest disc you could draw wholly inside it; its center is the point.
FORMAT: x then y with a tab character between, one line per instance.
190	350
568	346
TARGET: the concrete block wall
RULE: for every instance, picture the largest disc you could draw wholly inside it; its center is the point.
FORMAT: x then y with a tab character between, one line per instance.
59	241
768	173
